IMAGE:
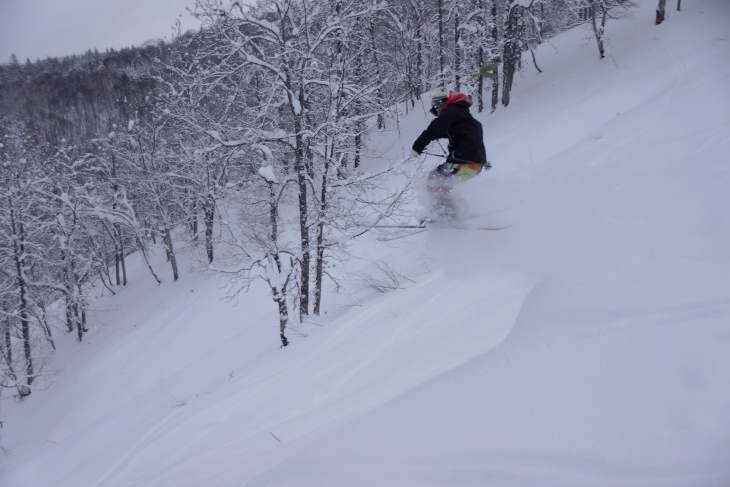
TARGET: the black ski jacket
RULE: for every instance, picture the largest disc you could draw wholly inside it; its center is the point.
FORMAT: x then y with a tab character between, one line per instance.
466	139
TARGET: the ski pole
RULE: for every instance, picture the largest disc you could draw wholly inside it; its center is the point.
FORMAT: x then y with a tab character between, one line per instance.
456	160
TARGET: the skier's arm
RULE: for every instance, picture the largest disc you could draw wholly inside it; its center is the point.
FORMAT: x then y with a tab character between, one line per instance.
435	130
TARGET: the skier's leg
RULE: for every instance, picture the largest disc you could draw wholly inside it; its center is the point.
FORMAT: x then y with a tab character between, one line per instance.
466	172
440	186
445	203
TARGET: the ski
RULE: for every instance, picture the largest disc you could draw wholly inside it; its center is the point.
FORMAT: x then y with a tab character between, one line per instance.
467	227
454	226
415	225
399	235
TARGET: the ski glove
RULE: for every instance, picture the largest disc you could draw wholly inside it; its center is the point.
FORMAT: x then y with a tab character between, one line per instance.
415	153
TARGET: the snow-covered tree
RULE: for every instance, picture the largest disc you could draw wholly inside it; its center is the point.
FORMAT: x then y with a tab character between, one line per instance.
210	108
299	78
144	149
285	47
262	246
23	245
597	13
104	164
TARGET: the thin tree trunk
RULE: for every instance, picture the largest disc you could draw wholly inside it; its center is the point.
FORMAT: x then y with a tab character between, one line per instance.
598	31
279	295
69	309
457	53
79	311
480	81
358	144
146	256
43	323
303	221
283	318
79	326
280	299
419	62
376	75
512	51
117	254
194	220
19	257
106	281
442	47
119	263
495	38
534	61
7	350
119	259
122	258
167	238
25	326
660	11
68	292
319	264
209	213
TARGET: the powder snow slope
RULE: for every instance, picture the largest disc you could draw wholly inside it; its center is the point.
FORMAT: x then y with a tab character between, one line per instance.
587	345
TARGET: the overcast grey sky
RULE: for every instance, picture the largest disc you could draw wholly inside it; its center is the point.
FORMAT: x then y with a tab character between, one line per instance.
36	29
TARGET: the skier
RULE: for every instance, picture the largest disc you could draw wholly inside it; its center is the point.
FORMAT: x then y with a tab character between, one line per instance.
466	153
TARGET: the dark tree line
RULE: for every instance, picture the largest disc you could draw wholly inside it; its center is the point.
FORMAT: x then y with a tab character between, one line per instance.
75	98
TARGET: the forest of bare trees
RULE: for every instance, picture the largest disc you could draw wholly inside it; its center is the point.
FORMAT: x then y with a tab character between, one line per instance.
262	116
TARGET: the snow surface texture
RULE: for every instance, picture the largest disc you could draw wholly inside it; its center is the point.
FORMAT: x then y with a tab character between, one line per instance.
587	345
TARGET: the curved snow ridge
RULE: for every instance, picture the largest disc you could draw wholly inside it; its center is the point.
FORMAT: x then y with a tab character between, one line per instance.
405	339
432	327
367	358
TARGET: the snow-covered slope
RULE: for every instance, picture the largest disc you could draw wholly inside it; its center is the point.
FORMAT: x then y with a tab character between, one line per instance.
586	345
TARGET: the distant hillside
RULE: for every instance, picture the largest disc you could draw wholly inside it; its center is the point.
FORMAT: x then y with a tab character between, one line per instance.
77	97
